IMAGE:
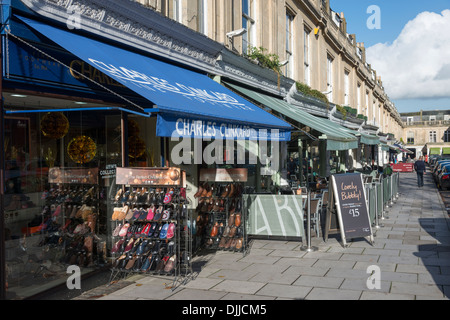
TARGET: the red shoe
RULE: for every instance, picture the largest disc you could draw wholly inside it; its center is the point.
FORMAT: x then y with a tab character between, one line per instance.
171	231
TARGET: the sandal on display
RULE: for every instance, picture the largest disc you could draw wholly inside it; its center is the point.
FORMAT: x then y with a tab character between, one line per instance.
158	214
237	220
136	214
129	215
124	230
168	196
170	264
152	229
117	230
166	214
129	245
163	232
122	214
151	213
215	230
171	231
117	246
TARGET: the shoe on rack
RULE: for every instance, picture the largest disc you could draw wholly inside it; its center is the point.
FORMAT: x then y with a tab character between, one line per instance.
171	231
215	230
123	231
170	264
163	232
237	220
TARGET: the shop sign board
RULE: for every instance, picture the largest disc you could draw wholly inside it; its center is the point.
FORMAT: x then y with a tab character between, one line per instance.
403	167
275	215
351	205
149	176
73	175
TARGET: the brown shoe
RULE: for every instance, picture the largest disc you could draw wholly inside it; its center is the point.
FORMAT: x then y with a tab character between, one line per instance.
225	192
239	244
215	230
227	231
231	219
199	192
233	244
228	243
237	220
232	231
223	242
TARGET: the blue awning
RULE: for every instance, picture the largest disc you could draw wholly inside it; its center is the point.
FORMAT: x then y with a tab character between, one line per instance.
203	106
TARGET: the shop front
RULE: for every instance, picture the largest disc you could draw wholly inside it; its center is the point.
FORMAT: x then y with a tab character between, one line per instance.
78	113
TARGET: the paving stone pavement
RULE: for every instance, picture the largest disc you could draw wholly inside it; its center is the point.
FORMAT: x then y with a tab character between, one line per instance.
412	251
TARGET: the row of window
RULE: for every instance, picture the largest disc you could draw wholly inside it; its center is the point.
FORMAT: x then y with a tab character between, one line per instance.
432	137
249	40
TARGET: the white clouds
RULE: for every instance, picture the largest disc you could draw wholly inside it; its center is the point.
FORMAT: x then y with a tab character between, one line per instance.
417	63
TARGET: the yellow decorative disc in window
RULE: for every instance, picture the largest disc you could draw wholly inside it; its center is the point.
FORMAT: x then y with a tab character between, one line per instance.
82	149
54	125
136	147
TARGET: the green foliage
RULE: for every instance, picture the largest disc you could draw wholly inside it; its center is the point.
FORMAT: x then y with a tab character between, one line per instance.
266	60
307	91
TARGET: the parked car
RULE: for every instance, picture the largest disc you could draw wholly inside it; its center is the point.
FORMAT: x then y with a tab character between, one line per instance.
437	168
444	178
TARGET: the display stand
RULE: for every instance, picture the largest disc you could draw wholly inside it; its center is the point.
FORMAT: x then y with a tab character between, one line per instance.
149	220
70	214
221	220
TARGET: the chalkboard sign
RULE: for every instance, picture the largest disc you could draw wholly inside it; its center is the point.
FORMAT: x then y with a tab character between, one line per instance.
351	205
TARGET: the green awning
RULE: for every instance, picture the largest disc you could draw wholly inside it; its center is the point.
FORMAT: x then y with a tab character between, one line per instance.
336	135
435	150
369	139
445	150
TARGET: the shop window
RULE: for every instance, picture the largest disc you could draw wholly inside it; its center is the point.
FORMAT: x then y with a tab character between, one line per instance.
60	170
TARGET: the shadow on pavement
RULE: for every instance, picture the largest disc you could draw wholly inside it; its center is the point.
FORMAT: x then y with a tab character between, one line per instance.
436	257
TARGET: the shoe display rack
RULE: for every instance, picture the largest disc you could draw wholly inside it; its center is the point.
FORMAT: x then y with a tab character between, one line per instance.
148	225
69	217
221	220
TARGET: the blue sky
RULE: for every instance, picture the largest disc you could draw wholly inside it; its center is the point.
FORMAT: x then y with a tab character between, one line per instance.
415	77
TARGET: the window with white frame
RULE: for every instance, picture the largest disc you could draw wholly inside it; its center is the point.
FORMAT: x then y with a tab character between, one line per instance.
330	78
203	16
248	24
306	55
289	44
374	112
177	10
433	136
358	98
346	88
409	120
367	104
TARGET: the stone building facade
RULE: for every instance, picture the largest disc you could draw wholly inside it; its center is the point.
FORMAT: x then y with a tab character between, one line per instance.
312	44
